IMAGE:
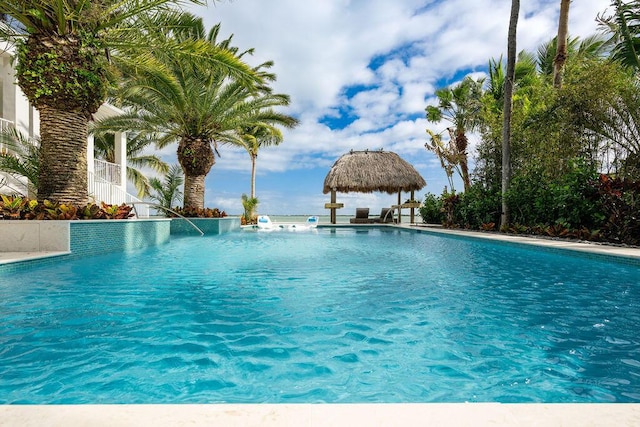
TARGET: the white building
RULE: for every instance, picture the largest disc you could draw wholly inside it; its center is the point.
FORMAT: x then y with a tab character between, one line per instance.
107	182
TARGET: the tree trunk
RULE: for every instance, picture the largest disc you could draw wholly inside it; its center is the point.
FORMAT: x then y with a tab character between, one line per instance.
196	158
508	104
561	41
63	156
253	176
194	191
461	148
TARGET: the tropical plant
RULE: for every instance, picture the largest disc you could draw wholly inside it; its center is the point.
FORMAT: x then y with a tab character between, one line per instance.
167	192
188	101
259	135
13	208
620	200
431	209
66	54
249	205
624	30
447	153
460	105
19	157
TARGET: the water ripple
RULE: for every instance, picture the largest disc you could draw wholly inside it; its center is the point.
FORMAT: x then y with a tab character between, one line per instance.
327	317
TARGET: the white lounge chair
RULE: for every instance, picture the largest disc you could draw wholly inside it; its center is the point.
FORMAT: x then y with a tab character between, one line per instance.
312	221
264	222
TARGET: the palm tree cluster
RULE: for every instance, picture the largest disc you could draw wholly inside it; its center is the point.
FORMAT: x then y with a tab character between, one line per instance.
176	82
574	113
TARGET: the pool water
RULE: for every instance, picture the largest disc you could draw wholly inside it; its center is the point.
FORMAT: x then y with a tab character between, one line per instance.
332	315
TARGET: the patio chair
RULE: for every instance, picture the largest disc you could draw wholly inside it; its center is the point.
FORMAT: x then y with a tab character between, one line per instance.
362	217
386	216
264	222
312	222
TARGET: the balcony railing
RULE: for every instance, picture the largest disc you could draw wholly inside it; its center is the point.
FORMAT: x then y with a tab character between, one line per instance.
4	125
101	190
106	171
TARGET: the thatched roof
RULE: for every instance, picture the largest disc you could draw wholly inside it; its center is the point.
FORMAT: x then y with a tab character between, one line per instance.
372	171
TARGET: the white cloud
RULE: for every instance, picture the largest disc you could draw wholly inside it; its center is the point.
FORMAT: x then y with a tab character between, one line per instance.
323	47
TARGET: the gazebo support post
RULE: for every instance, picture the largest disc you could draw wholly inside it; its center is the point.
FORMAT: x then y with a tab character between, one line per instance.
411	215
333	210
333	206
399	206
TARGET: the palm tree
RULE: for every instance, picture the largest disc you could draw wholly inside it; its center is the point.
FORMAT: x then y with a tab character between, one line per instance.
588	47
460	105
508	104
167	192
66	52
624	27
447	154
561	53
187	101
254	137
19	157
104	148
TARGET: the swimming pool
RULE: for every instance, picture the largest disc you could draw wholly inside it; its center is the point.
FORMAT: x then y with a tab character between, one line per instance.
335	315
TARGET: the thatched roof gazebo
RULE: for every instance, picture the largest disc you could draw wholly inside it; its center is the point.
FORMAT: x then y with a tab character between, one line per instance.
368	172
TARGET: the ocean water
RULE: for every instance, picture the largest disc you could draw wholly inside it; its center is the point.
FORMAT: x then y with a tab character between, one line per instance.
326	219
326	315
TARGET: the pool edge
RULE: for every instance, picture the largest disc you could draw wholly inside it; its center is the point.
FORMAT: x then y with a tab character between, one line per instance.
603	251
412	414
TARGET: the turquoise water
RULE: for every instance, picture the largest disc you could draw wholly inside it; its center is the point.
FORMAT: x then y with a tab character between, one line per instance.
333	315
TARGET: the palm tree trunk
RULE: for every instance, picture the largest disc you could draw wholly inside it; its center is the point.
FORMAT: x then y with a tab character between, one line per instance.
561	40
508	105
63	156
194	191
196	158
253	176
461	147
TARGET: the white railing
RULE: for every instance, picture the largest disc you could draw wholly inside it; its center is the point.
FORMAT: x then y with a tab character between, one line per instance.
4	125
106	171
103	191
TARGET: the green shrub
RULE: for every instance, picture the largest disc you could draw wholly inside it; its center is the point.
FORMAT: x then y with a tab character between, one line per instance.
431	209
477	207
620	201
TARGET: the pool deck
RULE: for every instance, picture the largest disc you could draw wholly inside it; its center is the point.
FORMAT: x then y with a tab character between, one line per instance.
338	415
334	415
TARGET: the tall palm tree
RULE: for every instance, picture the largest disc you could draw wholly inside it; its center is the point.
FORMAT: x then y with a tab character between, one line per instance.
447	154
508	103
66	51
137	157
185	100
254	137
561	53
460	105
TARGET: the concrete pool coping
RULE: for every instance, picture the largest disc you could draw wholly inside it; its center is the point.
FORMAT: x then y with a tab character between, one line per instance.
335	415
559	244
414	414
9	257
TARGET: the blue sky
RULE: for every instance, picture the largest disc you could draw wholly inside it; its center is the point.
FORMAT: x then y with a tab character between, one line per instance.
360	74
